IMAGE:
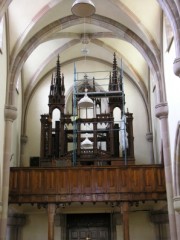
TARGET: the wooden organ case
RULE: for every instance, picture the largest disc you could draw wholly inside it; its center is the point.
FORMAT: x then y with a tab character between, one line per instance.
107	147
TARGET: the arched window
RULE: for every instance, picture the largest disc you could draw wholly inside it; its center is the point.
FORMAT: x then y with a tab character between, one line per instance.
56	115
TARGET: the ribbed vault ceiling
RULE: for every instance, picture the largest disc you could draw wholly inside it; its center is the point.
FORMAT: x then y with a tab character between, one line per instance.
40	30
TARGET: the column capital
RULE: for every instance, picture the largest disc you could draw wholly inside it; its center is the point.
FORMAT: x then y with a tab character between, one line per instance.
149	136
176	66
24	139
10	113
161	110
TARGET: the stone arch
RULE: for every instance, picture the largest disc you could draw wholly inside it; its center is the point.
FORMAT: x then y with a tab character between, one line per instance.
121	31
3	7
170	9
54	3
177	161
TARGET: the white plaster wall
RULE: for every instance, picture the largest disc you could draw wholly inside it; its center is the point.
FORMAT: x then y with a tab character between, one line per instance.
36	227
37	106
3	79
173	99
134	102
140	227
135	105
172	90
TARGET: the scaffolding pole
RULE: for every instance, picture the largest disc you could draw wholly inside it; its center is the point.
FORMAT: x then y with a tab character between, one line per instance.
74	119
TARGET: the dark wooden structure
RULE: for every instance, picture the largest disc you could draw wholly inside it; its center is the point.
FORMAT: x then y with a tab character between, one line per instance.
55	140
87	184
97	175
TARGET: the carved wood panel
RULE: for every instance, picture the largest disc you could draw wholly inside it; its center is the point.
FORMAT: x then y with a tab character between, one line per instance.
63	181
87	184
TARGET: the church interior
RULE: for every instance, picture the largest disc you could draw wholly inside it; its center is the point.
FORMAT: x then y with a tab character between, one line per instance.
89	113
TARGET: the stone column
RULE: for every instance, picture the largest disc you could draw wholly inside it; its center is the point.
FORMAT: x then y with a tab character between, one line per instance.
162	114
177	209
51	214
176	67
14	226
125	218
10	115
24	140
160	220
149	138
116	220
60	222
0	207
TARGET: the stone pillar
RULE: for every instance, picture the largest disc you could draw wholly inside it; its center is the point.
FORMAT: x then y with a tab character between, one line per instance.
177	209
60	222
24	140
10	115
14	226
116	220
149	138
162	114
125	218
51	215
176	67
160	220
0	207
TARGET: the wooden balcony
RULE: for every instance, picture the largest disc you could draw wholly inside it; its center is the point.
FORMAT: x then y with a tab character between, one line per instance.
87	184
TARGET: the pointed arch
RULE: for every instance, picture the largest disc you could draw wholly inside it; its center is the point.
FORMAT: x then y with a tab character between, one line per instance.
177	161
120	30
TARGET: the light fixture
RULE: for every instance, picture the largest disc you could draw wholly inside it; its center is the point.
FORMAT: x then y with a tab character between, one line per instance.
83	8
85	102
86	143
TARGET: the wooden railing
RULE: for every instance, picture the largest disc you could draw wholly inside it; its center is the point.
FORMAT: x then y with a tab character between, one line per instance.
87	184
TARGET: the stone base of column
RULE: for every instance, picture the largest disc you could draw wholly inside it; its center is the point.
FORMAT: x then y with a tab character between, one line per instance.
177	204
176	67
